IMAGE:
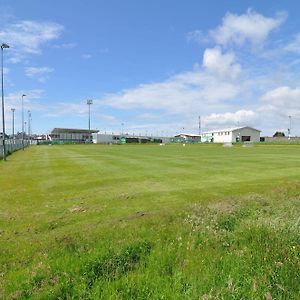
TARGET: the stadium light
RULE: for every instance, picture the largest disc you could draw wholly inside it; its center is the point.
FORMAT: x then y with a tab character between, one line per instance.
3	46
29	126
23	120
289	131
13	122
89	102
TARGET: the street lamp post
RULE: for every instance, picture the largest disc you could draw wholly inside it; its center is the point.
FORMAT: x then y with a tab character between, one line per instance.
89	103
290	129
25	125
23	120
3	46
13	122
29	125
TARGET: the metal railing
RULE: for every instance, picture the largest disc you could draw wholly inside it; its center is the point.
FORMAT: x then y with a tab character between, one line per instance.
12	146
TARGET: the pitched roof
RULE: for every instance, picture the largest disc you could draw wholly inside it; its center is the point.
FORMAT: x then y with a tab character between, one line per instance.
188	134
231	129
70	130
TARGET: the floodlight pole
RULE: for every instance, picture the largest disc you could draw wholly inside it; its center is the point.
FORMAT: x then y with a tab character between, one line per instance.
25	125
199	125
290	118
23	121
89	103
13	122
3	119
29	125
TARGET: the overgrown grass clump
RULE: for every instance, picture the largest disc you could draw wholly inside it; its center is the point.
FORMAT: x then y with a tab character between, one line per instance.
149	222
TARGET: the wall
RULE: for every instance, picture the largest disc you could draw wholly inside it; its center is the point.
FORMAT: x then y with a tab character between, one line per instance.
283	139
255	135
105	138
223	138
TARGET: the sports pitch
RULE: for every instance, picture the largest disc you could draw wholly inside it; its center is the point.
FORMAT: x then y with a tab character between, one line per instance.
150	222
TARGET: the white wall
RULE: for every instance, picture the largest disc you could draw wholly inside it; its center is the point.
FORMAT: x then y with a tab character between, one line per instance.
221	137
105	138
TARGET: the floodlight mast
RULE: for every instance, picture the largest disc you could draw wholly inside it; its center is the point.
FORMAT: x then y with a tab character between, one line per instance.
13	122
23	120
29	126
3	46
290	128
89	102
199	118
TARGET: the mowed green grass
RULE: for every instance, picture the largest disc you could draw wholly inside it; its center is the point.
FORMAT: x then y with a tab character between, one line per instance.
150	222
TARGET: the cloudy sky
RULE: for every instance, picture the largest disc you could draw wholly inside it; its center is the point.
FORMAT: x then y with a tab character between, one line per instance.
154	66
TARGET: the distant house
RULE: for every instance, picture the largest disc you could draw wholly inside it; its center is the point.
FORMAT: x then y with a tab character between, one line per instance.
71	135
231	135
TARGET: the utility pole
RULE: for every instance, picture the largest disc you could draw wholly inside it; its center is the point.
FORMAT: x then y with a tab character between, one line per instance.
23	120
199	125
89	103
290	128
29	125
3	46
13	122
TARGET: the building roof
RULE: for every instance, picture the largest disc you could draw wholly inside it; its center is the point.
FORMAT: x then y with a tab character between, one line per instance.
230	129
188	134
70	130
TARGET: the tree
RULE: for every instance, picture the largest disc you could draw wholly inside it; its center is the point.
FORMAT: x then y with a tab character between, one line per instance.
279	134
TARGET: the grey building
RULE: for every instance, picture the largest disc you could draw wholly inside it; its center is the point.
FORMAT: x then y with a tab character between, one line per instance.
71	135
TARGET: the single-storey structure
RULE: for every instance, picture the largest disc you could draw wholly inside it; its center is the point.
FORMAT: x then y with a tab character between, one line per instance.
71	135
187	137
231	135
107	138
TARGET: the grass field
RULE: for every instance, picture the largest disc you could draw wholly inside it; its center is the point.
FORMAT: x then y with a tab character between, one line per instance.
150	222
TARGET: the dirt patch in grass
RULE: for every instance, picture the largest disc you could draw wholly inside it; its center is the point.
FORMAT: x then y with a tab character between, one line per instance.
76	209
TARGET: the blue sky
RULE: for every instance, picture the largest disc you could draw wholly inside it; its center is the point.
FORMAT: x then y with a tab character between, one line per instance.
153	65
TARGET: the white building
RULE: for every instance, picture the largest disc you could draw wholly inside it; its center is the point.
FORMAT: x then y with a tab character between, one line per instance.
232	135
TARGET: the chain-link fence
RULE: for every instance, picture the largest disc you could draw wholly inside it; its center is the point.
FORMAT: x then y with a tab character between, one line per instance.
12	145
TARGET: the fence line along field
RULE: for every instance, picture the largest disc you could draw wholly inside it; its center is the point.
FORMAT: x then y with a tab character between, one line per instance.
150	222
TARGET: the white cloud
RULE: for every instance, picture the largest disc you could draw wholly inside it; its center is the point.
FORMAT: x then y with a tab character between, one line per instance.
197	36
5	70
203	89
282	100
180	94
221	64
230	119
294	46
38	73
65	46
277	105
14	100
28	37
251	27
